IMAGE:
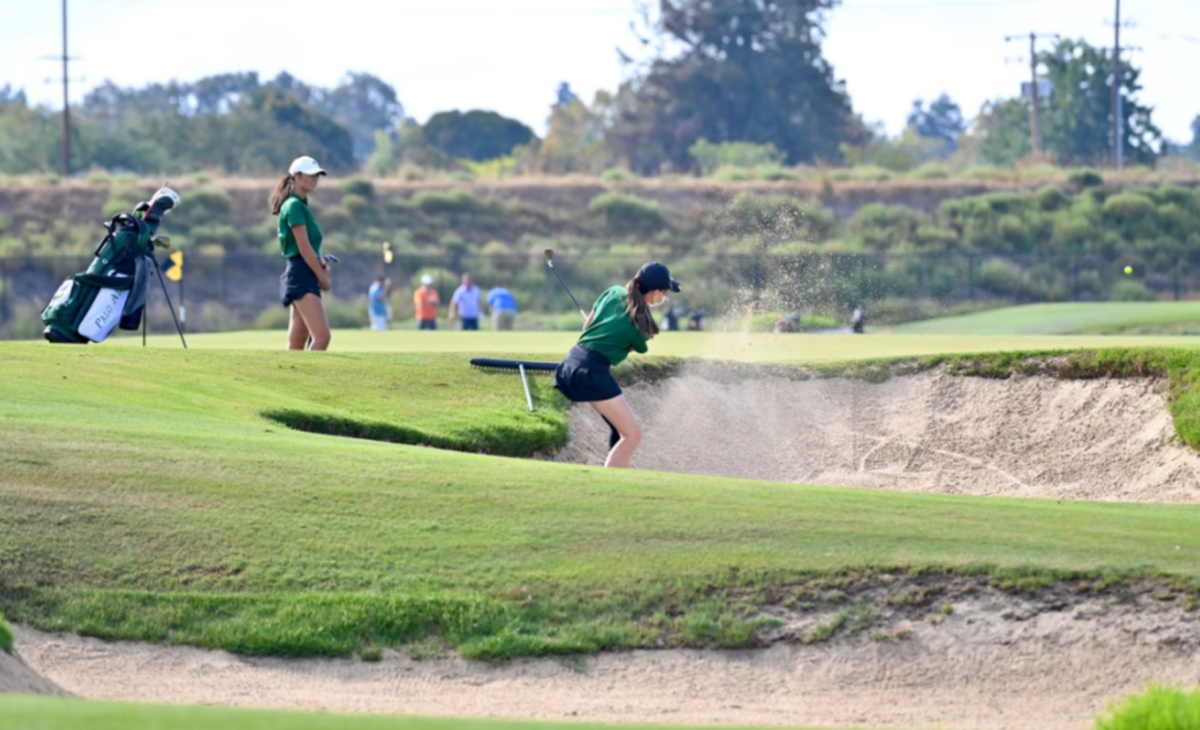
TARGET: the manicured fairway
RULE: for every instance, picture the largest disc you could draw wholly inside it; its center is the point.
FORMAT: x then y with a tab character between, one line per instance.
144	495
1081	318
758	347
19	712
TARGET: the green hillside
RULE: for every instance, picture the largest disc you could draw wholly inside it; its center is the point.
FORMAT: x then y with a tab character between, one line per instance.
143	495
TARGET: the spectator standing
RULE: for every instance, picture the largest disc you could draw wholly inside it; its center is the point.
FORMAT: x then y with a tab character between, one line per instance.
466	303
377	308
503	307
427	301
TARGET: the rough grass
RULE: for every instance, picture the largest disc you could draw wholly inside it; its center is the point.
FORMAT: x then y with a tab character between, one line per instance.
1158	708
143	495
24	712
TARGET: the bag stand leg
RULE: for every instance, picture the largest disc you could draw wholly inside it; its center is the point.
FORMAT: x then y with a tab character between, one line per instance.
170	306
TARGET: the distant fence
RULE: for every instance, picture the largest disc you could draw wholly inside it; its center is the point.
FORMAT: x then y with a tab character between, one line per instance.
240	290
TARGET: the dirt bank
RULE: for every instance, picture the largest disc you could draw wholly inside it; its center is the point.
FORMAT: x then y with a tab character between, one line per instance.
1040	436
994	659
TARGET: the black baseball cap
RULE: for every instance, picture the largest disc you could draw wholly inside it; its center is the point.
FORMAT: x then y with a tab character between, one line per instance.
654	277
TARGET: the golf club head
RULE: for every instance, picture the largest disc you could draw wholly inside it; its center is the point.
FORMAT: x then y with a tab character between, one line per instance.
549	254
331	258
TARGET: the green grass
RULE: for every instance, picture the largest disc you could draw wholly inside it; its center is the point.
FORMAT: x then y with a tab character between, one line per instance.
1158	708
6	636
1092	318
24	712
144	496
746	347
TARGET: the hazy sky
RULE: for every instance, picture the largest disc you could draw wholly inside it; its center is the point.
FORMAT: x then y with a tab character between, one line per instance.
510	56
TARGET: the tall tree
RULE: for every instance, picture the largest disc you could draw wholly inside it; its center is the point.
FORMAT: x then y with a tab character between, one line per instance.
476	135
943	119
1077	119
1002	131
749	71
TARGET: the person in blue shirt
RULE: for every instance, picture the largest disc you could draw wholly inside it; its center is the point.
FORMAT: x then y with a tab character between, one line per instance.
377	308
503	307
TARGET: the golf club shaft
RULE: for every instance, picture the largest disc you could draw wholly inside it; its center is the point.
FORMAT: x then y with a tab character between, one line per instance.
564	285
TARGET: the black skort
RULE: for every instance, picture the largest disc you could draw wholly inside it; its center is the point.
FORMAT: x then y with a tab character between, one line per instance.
585	376
298	279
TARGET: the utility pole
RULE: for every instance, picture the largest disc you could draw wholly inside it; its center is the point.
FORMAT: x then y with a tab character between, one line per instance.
66	103
1117	132
1035	117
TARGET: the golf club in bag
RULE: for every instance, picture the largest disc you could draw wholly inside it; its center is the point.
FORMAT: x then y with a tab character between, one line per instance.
87	307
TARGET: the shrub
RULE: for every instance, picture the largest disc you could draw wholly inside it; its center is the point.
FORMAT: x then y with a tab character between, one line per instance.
1130	291
732	173
6	636
884	226
616	175
1051	198
774	219
627	213
1158	708
359	186
356	204
434	202
1084	178
999	277
930	171
711	157
274	317
776	172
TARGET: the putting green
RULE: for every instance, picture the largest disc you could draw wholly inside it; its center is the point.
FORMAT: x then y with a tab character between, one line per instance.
1067	319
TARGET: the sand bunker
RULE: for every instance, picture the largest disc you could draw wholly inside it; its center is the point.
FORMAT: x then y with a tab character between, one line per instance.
997	660
1106	439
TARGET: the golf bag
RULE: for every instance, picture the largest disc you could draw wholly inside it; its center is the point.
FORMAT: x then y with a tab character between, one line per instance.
87	307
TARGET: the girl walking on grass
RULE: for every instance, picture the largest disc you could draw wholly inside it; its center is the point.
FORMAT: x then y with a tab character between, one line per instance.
307	274
620	323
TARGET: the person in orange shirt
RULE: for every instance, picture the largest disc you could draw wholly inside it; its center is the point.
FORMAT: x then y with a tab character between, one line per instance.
426	299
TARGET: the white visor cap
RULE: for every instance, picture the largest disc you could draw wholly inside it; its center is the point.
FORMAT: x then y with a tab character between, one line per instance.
306	165
427	279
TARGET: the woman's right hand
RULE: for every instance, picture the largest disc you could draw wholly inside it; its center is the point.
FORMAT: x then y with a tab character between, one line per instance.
323	282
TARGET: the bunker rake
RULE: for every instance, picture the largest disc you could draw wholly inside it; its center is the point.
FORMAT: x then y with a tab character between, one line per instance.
524	367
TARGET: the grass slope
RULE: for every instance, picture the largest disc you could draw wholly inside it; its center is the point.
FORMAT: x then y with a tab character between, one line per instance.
143	496
23	712
745	347
1092	318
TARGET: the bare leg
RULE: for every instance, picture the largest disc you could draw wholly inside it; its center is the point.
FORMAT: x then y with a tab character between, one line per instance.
312	311
620	416
297	330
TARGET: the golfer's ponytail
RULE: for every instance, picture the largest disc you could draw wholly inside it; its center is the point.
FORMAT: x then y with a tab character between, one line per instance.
639	310
283	191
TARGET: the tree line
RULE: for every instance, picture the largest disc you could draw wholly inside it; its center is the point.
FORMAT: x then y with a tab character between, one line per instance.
740	72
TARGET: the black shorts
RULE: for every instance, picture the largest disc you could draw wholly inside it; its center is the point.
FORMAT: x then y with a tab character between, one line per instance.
298	279
585	376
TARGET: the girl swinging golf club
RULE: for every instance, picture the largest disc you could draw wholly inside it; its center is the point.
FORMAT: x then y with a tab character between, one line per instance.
307	274
620	323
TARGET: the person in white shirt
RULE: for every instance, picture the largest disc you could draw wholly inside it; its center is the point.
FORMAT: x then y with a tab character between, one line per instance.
466	303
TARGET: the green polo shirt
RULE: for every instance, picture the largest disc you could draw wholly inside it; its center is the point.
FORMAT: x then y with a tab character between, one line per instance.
295	211
612	332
